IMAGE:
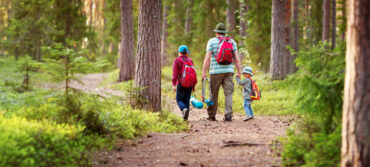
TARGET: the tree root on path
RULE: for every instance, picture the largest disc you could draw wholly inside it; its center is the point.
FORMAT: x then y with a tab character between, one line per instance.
232	143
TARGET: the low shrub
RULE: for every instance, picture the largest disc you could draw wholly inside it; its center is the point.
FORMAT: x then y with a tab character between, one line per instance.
40	143
307	145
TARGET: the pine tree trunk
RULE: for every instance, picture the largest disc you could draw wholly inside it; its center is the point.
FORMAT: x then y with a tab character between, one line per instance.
278	40
189	17
356	107
287	12
230	17
164	36
307	33
326	21
148	64
344	15
243	25
295	36
127	42
333	24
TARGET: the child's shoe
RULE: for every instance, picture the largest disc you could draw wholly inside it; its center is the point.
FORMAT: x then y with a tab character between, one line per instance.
185	113
248	118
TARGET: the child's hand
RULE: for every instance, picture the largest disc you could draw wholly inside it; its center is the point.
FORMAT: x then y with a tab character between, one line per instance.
174	88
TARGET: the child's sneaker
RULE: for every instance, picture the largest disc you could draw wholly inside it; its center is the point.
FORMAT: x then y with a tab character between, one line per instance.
185	113
248	118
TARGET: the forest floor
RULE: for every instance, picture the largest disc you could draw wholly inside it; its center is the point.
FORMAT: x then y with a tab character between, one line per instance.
207	143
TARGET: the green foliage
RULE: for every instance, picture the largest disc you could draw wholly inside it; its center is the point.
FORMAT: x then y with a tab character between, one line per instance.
321	81
111	36
26	67
205	15
43	128
95	118
316	140
307	145
40	143
314	23
64	63
29	28
259	32
37	23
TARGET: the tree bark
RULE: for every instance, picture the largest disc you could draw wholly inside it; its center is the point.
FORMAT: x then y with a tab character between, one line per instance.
333	24
230	17
164	36
295	36
242	23
189	17
243	26
356	107
127	42
287	12
278	40
148	64
326	21
344	15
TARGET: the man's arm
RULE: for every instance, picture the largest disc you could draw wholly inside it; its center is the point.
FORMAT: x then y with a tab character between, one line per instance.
207	61
237	63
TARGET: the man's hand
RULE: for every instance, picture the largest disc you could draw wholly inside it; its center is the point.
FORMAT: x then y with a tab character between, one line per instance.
204	75
174	88
239	76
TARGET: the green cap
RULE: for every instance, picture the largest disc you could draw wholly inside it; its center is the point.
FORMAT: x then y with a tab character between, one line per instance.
220	28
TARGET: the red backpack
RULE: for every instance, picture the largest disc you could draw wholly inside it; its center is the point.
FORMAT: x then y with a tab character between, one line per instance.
189	76
225	54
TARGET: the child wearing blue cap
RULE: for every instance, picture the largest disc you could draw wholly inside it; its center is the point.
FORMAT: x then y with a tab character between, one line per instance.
183	80
247	91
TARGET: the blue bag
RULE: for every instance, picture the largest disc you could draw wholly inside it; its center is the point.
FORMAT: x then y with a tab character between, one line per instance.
196	103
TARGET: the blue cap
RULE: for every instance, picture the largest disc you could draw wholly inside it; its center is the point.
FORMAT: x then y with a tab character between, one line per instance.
248	70
184	48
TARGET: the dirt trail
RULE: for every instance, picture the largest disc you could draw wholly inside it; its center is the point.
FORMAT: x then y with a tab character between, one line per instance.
89	83
204	144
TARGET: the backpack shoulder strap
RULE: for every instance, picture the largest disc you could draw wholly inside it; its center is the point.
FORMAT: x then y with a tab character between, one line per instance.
220	39
252	82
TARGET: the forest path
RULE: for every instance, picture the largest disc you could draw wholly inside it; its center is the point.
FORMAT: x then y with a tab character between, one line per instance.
88	83
207	143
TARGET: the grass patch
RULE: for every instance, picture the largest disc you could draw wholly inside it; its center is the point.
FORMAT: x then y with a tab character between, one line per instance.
40	128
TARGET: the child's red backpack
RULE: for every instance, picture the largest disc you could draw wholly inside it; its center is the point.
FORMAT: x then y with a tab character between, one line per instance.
225	54
255	94
189	76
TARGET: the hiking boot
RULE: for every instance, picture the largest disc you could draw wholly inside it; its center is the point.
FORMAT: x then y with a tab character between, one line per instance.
185	114
248	118
228	118
211	118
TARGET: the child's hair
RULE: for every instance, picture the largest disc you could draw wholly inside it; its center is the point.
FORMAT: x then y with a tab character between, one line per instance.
184	53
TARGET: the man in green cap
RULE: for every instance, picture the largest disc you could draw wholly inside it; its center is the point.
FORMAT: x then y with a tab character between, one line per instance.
220	73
